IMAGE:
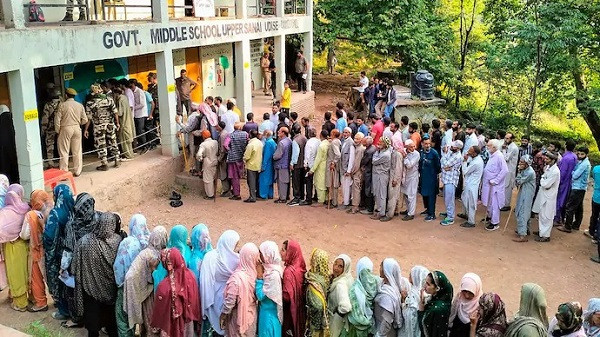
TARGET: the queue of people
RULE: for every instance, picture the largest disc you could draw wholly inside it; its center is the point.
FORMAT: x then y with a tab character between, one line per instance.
181	284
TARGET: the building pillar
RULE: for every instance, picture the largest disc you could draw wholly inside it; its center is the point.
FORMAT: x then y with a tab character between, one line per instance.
160	11
308	54
27	131
241	9
280	8
13	14
167	102
279	63
243	78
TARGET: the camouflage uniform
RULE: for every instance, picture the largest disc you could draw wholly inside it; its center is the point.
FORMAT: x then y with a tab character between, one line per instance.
48	130
101	110
153	90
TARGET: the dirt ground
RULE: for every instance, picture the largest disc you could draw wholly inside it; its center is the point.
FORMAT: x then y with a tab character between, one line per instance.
562	267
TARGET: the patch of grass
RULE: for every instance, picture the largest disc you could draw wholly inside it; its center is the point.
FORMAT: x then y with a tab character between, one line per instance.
38	329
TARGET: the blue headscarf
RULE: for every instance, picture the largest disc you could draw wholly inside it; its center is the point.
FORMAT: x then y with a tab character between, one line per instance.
55	228
177	239
128	250
138	228
201	244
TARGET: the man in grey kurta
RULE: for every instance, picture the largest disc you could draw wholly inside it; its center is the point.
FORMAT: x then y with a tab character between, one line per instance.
525	181
472	169
394	184
222	159
511	156
381	177
356	172
347	163
282	164
411	179
207	155
332	175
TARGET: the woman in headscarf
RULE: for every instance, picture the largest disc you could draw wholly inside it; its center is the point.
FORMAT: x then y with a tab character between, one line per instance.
338	297
17	188
53	242
435	314
177	239
217	267
33	229
410	307
465	303
95	286
294	307
138	287
490	319
176	304
239	303
531	320
591	318
362	295
388	302
82	222
201	244
567	321
15	249
128	250
4	183
269	290
138	228
317	279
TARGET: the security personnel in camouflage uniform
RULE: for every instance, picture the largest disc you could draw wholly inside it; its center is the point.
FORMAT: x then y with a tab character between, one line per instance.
101	109
48	130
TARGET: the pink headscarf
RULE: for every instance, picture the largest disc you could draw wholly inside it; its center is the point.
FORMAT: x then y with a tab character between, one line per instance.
463	307
17	189
244	278
11	217
273	275
210	115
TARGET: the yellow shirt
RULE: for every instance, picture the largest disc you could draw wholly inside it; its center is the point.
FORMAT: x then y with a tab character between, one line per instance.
286	98
253	155
238	112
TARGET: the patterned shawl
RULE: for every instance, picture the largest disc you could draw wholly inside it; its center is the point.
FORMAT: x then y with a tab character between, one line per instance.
138	228
138	284
128	250
492	319
53	231
437	310
362	295
568	318
93	262
317	279
81	222
177	239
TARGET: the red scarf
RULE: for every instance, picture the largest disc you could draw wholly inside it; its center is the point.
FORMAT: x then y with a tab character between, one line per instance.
176	302
293	290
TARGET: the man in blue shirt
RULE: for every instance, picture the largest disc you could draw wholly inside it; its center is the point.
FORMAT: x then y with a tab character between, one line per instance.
362	127
593	232
579	180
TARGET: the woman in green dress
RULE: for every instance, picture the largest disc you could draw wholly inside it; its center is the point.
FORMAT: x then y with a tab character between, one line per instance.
317	279
362	295
531	320
435	314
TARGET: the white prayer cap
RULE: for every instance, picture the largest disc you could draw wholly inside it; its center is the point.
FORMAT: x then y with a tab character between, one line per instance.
347	129
457	144
232	100
408	142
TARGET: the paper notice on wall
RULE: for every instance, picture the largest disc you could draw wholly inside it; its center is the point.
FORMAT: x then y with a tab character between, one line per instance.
209	73
204	8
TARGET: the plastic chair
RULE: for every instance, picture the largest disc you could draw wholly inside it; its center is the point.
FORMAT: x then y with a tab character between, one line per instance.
53	176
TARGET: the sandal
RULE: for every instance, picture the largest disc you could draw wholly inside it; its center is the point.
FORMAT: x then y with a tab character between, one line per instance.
58	316
70	324
14	307
33	308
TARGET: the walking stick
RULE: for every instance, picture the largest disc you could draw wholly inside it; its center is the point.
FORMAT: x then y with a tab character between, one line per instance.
512	209
330	189
215	191
182	140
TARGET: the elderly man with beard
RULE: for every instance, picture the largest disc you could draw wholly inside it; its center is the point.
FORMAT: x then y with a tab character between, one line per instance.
525	181
332	175
207	155
492	187
347	163
356	172
472	169
450	165
511	155
381	176
545	201
394	184
411	179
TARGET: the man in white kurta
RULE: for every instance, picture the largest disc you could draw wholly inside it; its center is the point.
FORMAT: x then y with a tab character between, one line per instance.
207	154
510	151
410	182
472	169
545	201
347	163
394	184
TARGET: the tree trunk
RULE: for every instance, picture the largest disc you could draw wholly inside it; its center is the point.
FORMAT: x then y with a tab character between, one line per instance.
589	114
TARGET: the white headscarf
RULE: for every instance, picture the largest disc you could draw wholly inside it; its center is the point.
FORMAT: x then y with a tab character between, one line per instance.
390	296
273	274
3	109
346	275
463	307
418	274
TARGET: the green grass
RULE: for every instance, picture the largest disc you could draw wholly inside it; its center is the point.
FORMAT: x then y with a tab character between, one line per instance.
38	329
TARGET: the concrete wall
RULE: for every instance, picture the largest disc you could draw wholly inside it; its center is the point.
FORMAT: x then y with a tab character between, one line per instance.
216	80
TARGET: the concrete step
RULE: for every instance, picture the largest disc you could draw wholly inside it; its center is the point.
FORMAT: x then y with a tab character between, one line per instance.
189	182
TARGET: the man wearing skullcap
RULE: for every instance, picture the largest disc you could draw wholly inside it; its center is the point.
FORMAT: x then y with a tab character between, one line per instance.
68	120
332	175
101	109
347	163
236	145
472	170
282	164
253	162
411	179
545	201
450	163
492	185
355	172
394	184
207	155
429	167
525	182
511	154
381	176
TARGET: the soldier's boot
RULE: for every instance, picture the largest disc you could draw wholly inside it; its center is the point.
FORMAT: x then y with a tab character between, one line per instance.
81	16
117	161
102	167
68	17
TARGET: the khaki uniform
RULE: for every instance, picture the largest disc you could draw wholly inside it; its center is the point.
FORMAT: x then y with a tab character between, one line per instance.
101	110
67	123
48	126
207	154
127	130
357	174
266	74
